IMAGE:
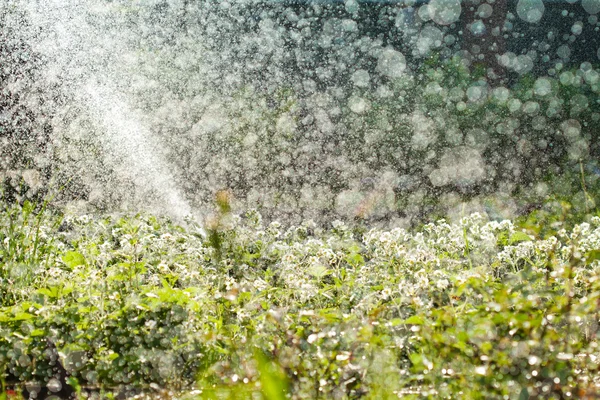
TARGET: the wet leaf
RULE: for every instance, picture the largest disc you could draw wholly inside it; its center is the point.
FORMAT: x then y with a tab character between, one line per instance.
73	259
518	237
274	385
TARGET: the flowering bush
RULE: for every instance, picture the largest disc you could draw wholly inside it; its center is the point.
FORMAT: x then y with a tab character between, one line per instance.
476	309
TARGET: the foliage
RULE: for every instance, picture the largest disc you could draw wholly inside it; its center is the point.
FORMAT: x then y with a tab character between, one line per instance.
474	309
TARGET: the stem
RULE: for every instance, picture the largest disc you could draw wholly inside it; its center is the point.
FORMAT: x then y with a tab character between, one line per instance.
583	186
37	231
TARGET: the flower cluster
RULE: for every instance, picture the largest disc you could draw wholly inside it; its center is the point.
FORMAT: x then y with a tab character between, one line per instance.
136	300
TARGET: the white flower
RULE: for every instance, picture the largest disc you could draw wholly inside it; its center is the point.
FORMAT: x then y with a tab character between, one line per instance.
442	284
386	293
230	283
163	268
260	284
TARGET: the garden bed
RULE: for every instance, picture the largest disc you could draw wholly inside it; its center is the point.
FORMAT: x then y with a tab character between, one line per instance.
476	309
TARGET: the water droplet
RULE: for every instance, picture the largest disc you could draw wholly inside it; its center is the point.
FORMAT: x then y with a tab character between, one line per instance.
481	370
531	107
445	12
459	166
391	63
523	64
530	10
358	105
514	105
564	356
571	129
430	37
485	10
477	28
563	52
592	77
591	6
501	94
533	360
351	6
54	385
542	87
476	93
360	78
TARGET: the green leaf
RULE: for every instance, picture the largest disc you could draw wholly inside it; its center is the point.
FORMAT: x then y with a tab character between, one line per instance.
592	256
416	359
222	350
273	380
502	239
46	292
486	347
22	316
331	315
73	259
518	237
414	320
67	289
37	332
355	259
318	271
54	292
